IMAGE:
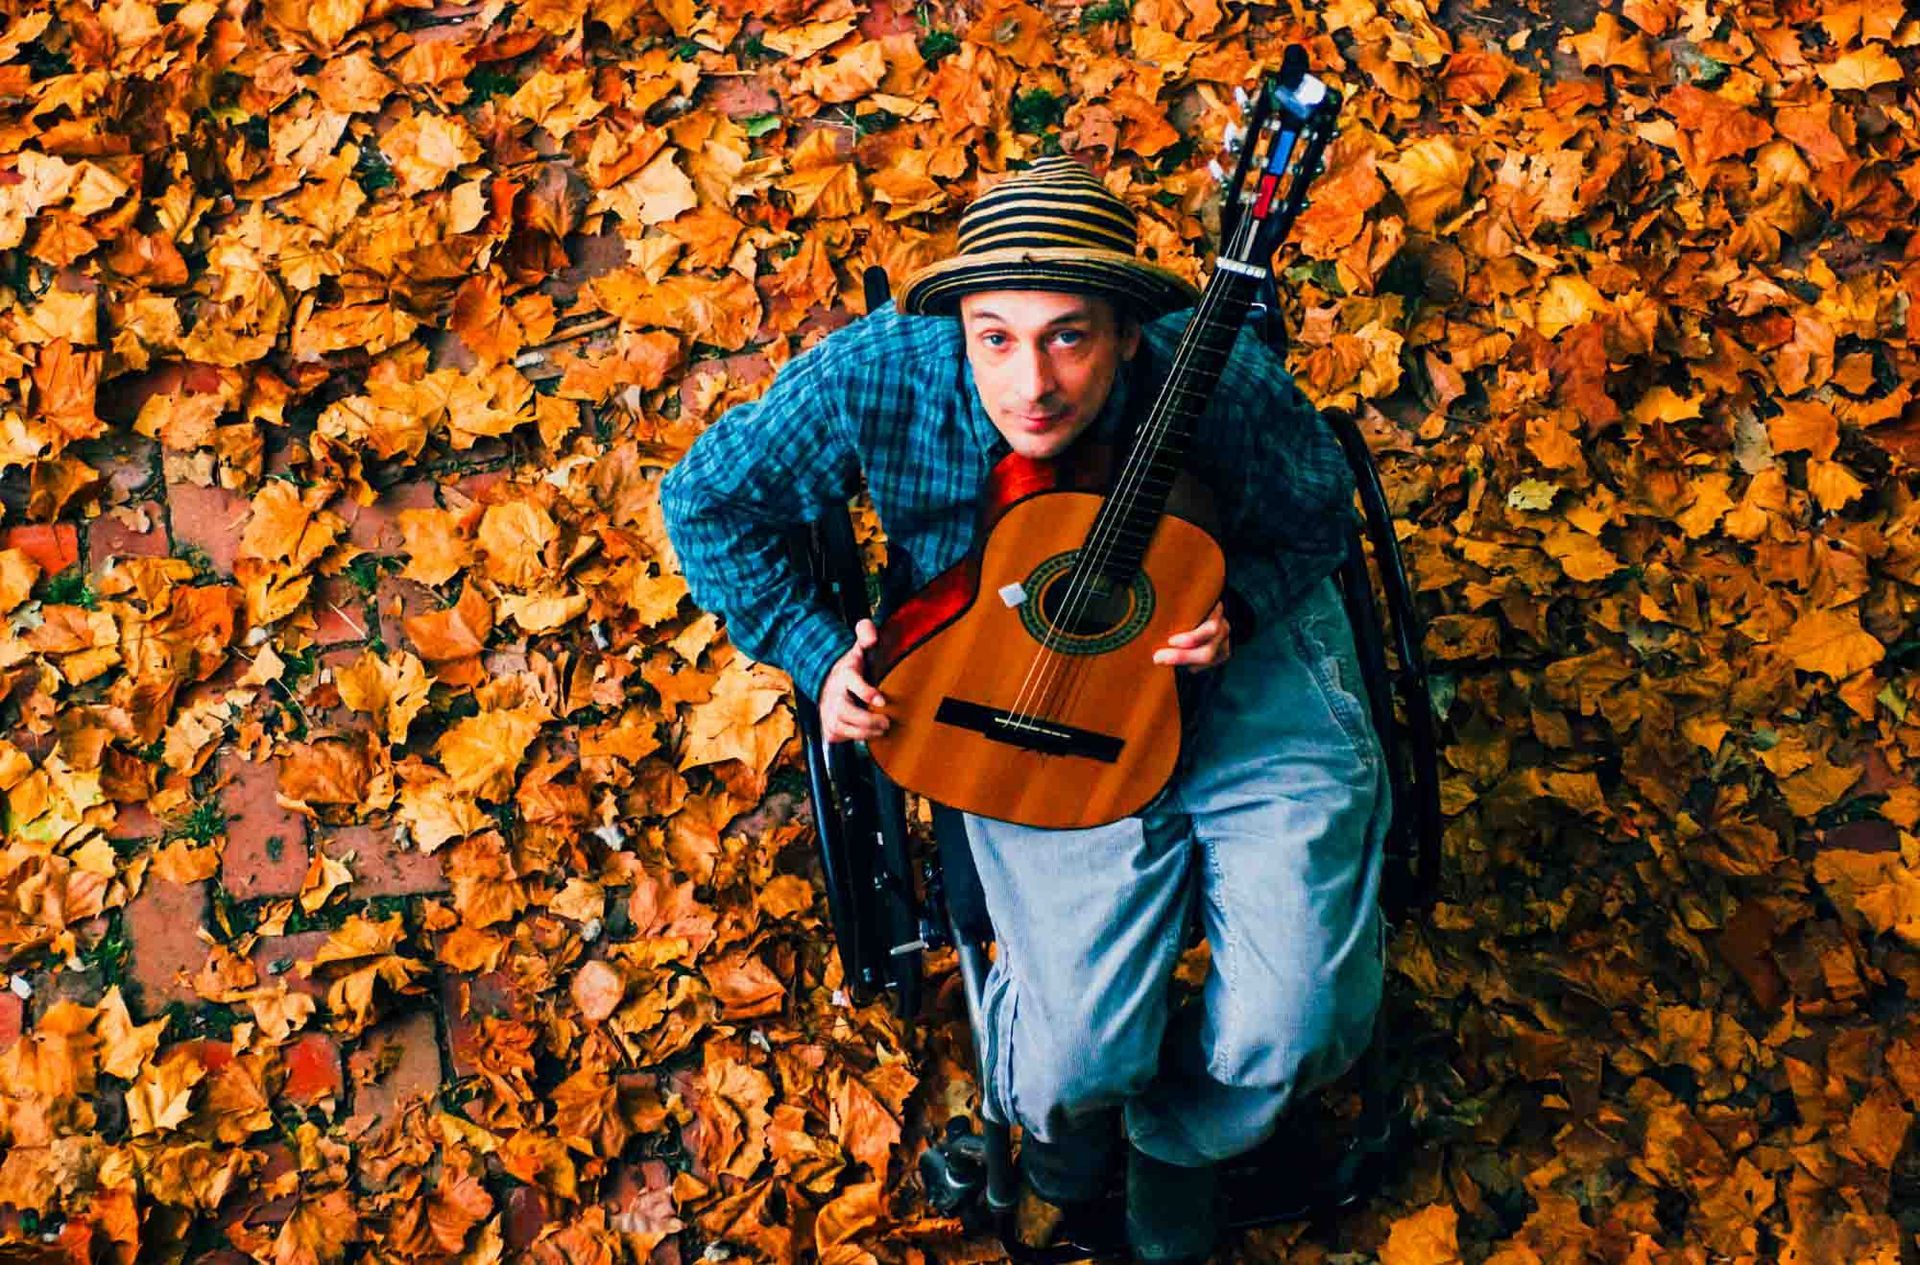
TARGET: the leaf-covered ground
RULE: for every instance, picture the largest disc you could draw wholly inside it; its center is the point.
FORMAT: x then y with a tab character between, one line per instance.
398	867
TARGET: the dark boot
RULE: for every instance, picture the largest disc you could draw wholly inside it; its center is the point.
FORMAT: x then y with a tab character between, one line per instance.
1063	1185
1173	1213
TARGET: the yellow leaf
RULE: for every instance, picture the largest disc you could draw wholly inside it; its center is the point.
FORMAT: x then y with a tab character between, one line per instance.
659	191
160	1098
1832	484
1580	555
1860	70
435	549
1565	301
434	813
542	611
1663	404
1608	45
279	1011
820	183
393	691
1431	178
516	541
723	727
358	937
325	876
1804	426
184	861
581	899
846	78
1831	643
125	1046
800	40
18	572
481	753
425	148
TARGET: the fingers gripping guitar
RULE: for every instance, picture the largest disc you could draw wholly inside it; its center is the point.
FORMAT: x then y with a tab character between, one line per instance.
852	710
1204	647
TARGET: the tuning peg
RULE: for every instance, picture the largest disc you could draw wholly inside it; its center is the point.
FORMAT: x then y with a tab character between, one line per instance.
1230	138
1216	171
1240	97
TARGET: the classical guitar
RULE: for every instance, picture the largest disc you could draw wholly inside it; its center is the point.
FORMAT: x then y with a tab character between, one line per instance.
1021	681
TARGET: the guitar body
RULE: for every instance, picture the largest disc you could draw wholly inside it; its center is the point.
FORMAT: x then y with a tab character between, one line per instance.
1014	692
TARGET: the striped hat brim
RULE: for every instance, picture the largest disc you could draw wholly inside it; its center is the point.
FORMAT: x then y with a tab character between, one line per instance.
936	290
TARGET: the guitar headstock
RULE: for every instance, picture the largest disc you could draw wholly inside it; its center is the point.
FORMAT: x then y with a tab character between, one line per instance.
1291	120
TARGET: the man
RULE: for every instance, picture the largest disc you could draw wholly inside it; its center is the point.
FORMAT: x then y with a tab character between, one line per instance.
1271	828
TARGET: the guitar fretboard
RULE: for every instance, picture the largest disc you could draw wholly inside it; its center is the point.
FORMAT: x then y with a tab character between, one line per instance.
1122	530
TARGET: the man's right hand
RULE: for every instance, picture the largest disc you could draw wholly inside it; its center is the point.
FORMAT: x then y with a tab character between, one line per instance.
850	709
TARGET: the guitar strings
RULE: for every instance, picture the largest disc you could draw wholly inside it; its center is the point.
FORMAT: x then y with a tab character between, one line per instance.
1060	692
1097	548
1056	684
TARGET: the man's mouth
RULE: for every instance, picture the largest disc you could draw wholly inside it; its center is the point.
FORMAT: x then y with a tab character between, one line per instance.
1040	422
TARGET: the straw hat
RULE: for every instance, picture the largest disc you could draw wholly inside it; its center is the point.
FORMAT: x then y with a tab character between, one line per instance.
1050	227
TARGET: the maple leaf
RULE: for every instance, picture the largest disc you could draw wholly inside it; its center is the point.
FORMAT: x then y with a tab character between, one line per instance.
481	753
458	632
723	727
1426	1237
849	1214
325	875
1860	70
820	182
436	550
587	1114
1831	643
1431	178
124	1045
1607	44
318	1231
861	1124
393	690
440	1224
159	1099
328	772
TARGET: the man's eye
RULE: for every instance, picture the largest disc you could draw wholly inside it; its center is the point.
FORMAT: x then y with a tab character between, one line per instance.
1069	337
993	340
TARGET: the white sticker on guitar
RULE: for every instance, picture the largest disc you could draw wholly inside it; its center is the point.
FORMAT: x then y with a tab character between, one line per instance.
1013	594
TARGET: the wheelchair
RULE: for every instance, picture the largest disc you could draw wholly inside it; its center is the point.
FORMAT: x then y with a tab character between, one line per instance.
893	898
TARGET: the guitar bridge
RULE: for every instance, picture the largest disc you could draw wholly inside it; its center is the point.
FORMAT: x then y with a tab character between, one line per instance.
1029	733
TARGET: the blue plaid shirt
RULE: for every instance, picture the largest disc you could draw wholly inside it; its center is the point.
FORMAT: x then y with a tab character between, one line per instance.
892	395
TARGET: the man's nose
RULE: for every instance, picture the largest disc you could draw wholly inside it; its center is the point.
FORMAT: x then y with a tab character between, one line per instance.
1037	379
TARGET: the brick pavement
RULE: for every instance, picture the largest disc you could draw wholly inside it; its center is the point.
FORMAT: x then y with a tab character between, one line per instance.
174	937
192	941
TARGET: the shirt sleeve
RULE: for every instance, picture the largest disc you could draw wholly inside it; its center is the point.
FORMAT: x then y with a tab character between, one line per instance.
763	469
1288	524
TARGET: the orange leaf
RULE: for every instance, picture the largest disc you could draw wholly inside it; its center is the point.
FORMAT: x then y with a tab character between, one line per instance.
458	632
1426	1237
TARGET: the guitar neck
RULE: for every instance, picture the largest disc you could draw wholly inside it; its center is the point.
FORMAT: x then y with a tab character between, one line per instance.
1126	522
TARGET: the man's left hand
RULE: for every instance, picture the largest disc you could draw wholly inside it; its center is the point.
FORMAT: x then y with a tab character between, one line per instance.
1204	647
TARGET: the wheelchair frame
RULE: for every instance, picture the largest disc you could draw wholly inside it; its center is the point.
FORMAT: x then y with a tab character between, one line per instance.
884	922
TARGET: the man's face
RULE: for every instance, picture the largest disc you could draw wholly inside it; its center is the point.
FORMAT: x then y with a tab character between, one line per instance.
1044	362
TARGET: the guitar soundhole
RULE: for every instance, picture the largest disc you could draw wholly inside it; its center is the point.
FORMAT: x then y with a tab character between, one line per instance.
1066	613
1085	609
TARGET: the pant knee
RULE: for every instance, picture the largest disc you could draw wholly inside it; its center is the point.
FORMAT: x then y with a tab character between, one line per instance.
1322	1040
1077	1082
